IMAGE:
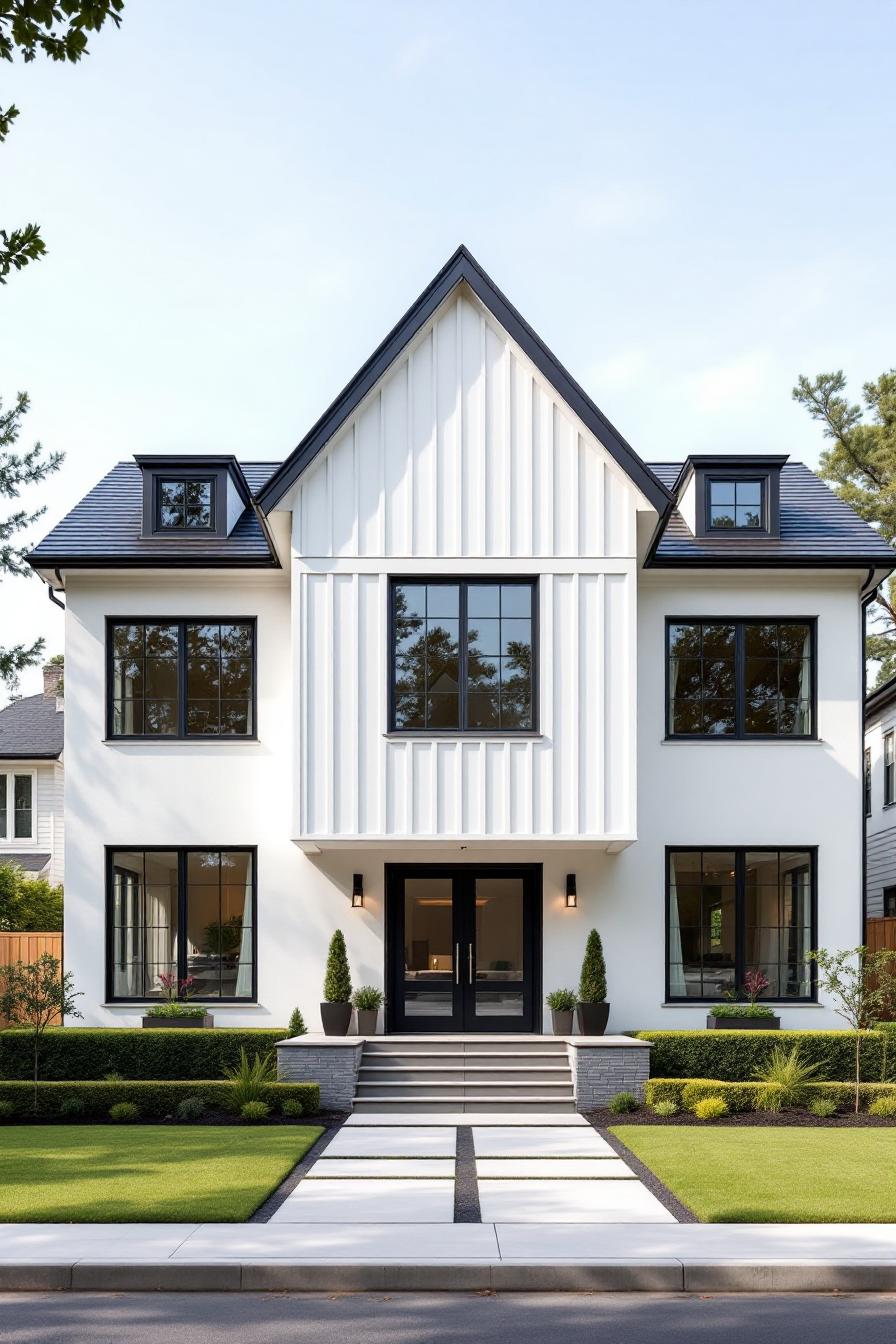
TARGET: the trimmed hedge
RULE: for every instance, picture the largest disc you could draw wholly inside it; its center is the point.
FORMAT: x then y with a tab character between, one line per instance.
733	1056
154	1100
685	1092
172	1052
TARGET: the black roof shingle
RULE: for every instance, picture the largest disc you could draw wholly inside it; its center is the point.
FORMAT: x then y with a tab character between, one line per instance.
31	728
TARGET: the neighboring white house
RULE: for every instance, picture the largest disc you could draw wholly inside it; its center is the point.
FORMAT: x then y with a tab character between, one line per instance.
880	800
32	827
465	678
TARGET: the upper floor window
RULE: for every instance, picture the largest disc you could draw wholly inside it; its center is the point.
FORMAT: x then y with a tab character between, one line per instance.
17	806
185	504
737	678
889	768
867	781
181	678
463	656
735	504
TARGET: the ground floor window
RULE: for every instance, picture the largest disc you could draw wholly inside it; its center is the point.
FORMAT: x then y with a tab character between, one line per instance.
181	913
730	911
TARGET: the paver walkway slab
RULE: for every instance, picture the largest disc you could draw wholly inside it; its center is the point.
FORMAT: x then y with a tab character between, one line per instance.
512	1141
366	1119
400	1168
553	1168
570	1202
392	1141
369	1201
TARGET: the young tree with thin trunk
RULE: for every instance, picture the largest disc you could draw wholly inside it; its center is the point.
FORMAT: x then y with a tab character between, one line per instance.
862	984
32	995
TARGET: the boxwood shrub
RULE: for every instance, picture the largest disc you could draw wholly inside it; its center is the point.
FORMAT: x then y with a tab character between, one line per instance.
733	1056
92	1052
154	1100
686	1092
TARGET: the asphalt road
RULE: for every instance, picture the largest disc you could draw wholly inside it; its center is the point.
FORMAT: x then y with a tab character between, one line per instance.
406	1318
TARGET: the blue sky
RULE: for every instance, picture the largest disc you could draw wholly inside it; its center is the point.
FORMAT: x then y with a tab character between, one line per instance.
691	202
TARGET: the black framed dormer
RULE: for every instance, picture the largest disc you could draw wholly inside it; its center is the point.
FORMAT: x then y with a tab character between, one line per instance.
737	497
191	496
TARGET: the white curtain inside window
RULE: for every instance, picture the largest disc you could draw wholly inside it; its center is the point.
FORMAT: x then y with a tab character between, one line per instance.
801	724
677	986
244	973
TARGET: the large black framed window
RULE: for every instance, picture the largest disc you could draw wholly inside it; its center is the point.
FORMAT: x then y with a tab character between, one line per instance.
181	913
730	911
181	678
740	678
463	655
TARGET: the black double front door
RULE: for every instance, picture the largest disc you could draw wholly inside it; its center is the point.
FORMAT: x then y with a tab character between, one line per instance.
463	947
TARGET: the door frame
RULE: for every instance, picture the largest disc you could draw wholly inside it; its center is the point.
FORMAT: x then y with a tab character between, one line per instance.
472	869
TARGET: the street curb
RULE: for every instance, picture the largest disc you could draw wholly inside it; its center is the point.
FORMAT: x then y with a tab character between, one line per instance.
657	1275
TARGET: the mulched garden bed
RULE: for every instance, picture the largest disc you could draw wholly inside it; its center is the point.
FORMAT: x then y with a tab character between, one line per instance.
747	1119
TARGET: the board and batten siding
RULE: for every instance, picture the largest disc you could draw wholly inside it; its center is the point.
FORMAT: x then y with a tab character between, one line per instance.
464	461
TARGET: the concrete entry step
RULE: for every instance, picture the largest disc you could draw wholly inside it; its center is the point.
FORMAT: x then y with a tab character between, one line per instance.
417	1105
528	1074
465	1045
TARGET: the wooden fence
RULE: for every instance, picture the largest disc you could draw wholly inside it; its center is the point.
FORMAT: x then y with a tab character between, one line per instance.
28	947
882	934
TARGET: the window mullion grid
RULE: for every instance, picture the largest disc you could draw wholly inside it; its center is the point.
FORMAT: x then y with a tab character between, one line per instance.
740	916
463	711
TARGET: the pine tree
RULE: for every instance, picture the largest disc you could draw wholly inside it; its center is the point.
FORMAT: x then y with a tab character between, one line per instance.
297	1024
338	980
593	981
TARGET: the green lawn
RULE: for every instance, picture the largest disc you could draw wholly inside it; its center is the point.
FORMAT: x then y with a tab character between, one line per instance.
144	1174
771	1174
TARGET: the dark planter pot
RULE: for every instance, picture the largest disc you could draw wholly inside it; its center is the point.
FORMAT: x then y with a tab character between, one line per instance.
742	1023
336	1018
206	1020
561	1022
592	1018
367	1018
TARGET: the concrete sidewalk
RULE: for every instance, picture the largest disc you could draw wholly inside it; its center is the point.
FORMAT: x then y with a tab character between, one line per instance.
663	1257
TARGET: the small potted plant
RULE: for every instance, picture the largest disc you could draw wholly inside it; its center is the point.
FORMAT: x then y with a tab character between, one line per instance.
562	1003
336	1009
592	1008
368	1000
745	1015
175	1010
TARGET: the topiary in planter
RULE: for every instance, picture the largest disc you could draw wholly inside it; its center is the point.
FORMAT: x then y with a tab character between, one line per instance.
336	1010
592	1008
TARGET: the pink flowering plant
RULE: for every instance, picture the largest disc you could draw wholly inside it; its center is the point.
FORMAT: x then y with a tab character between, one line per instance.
755	983
175	997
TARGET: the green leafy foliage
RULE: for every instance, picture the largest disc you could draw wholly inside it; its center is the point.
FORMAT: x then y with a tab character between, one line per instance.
70	1108
92	1052
32	995
124	1112
174	1008
155	1100
338	980
710	1108
367	998
251	1076
723	1010
684	1092
623	1103
665	1108
291	1109
297	1024
593	979
862	985
28	904
785	1079
734	1056
883	1106
823	1107
561	1000
190	1109
7	1110
254	1111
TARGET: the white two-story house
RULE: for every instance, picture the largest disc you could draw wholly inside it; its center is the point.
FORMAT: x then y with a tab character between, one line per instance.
464	677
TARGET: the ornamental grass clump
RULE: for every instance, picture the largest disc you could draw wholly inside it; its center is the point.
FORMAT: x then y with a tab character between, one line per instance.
785	1080
665	1108
250	1078
124	1113
292	1110
884	1107
190	1109
253	1112
710	1108
823	1108
623	1103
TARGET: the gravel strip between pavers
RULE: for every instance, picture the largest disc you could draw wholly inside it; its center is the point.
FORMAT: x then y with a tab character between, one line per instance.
265	1211
661	1192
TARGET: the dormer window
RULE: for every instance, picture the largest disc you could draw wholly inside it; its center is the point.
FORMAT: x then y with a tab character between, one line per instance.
185	504
735	504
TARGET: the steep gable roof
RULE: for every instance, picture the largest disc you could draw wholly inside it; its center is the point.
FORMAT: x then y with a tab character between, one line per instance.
463	267
31	729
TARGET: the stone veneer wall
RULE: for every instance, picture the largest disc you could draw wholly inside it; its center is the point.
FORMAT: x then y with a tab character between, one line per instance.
600	1071
333	1066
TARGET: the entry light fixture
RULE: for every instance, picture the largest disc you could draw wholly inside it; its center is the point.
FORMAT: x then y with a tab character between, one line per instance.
572	898
357	890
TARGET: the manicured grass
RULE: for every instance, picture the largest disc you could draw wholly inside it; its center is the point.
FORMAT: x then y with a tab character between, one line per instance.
771	1174
144	1174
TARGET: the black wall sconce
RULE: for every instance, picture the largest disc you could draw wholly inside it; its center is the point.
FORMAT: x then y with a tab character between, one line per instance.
572	898
357	890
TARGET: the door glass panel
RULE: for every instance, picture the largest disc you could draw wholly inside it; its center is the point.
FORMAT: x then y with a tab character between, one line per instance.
429	947
499	946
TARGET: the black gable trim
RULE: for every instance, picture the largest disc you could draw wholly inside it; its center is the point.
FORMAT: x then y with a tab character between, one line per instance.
462	266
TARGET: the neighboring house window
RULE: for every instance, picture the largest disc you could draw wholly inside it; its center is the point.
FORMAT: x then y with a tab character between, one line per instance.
17	812
889	902
185	505
182	913
889	768
736	678
867	781
193	678
463	656
735	505
737	910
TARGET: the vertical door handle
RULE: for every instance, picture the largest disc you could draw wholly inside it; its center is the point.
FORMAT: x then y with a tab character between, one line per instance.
470	962
457	963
